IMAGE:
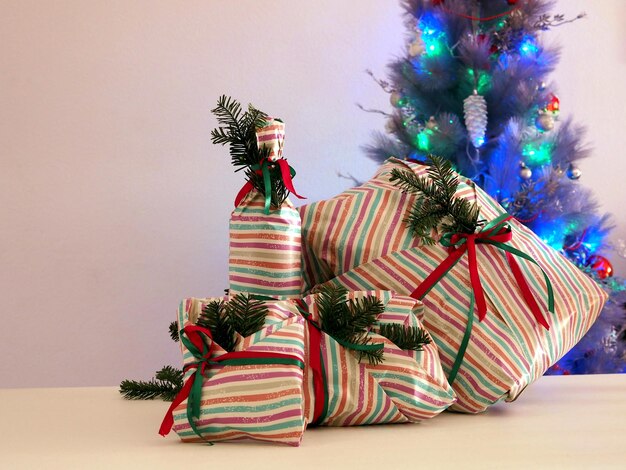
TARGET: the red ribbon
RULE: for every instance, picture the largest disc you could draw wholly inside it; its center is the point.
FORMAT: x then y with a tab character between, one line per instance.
285	171
243	192
466	242
261	169
315	363
193	334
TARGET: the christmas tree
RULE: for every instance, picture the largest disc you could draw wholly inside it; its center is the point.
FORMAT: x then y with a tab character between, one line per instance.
473	88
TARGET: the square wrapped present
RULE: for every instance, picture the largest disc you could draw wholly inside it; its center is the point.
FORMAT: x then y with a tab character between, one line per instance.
510	283
252	392
405	386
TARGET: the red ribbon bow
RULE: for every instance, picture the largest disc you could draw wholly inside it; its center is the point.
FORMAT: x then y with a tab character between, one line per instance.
262	169
496	233
191	337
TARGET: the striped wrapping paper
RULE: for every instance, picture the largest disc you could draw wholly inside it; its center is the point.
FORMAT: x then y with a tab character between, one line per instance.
408	386
261	402
265	251
357	226
272	136
508	350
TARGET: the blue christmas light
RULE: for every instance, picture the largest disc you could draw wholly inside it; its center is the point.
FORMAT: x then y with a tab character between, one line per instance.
528	46
434	39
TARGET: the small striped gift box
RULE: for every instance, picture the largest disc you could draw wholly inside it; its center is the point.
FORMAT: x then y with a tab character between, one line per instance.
407	386
265	249
508	350
262	401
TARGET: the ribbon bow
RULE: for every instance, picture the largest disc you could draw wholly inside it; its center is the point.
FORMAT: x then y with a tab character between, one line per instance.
195	340
495	233
271	136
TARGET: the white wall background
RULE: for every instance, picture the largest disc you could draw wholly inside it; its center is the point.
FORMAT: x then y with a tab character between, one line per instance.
114	204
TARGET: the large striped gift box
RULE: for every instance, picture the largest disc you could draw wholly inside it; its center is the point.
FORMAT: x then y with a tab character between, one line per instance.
508	350
407	386
265	249
255	401
357	226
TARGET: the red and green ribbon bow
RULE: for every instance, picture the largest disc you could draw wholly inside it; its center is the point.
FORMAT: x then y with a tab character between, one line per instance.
496	233
263	168
195	340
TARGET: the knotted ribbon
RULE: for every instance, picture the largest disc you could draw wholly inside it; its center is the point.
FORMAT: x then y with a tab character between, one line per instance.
194	338
495	233
270	136
263	168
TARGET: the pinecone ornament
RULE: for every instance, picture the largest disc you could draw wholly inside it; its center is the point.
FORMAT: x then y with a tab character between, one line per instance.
475	110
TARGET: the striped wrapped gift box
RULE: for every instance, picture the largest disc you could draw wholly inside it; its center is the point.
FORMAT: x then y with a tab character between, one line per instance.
261	402
408	386
508	349
265	249
357	226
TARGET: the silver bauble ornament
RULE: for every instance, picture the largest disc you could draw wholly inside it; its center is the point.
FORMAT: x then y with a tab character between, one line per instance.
524	172
475	110
573	172
545	122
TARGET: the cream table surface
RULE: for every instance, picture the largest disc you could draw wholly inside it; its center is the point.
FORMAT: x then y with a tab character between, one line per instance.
558	422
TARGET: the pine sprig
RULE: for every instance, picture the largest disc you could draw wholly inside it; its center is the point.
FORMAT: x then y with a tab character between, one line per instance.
165	385
436	207
238	129
173	328
349	321
410	338
246	314
215	317
241	314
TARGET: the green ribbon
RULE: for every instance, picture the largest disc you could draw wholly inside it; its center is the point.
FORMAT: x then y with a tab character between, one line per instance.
495	233
264	169
202	356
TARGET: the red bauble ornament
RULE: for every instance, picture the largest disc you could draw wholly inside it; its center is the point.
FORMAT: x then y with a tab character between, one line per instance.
554	105
512	2
601	266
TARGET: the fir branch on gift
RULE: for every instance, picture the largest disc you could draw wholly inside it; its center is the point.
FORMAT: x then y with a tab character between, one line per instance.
349	320
241	314
246	314
238	129
173	328
215	317
165	385
410	338
436	207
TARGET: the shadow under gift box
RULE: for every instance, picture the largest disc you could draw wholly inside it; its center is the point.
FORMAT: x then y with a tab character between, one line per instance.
359	240
275	402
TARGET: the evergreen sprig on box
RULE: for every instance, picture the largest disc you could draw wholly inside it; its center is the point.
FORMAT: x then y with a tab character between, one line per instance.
351	321
242	314
237	128
436	207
